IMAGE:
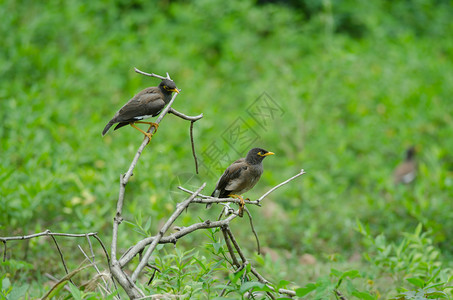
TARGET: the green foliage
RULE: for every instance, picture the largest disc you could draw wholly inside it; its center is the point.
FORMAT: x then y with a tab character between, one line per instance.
357	81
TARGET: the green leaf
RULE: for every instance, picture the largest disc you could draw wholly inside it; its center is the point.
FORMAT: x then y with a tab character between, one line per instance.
75	292
416	281
351	274
363	295
283	284
18	292
335	272
147	225
300	292
6	283
250	285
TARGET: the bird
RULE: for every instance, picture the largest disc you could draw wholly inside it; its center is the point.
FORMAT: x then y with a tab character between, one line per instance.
241	176
406	171
146	104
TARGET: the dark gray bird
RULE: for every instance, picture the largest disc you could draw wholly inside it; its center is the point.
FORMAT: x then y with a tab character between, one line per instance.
146	104
406	171
241	176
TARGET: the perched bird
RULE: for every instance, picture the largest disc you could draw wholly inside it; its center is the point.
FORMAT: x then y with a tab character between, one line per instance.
406	171
146	104
241	176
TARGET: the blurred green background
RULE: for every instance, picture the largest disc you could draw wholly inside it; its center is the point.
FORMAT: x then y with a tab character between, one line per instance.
354	83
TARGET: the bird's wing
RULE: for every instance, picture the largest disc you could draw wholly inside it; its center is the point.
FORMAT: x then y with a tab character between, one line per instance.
147	104
231	174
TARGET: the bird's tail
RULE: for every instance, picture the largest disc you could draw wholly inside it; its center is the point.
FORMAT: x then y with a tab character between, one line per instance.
214	194
107	127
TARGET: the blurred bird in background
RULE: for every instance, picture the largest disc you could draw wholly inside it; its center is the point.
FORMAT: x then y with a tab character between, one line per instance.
406	171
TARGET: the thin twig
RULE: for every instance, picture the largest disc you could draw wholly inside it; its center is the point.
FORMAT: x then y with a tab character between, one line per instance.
192	120
253	230
124	179
91	247
62	280
152	74
208	199
46	232
230	248
4	251
224	289
339	295
193	147
302	172
53	278
91	260
108	262
61	256
161	233
184	116
183	231
236	245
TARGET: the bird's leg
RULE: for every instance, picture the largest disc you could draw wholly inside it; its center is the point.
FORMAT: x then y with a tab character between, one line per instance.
241	205
151	124
149	135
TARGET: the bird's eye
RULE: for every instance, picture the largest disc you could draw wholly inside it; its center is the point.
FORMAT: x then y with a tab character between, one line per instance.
165	87
259	153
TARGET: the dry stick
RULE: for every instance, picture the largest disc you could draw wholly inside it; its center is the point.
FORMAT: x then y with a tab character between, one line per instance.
46	232
208	199
128	285
236	245
91	260
245	261
62	257
253	230
193	147
124	179
91	246
62	280
4	251
192	120
230	248
152	74
161	233
302	172
133	251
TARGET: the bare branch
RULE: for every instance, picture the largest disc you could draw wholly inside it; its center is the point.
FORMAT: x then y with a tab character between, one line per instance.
183	231
253	230
61	256
208	199
183	116
124	179
302	172
230	248
4	251
47	232
67	277
92	261
192	120
193	147
161	233
152	74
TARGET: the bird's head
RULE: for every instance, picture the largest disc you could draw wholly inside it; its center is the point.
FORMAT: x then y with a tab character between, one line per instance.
168	86
410	153
256	155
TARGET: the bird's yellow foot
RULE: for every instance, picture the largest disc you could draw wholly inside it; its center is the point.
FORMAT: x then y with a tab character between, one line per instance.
147	134
151	124
241	205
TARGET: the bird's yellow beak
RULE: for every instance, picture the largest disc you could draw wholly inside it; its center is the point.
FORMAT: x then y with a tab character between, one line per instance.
174	90
268	153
